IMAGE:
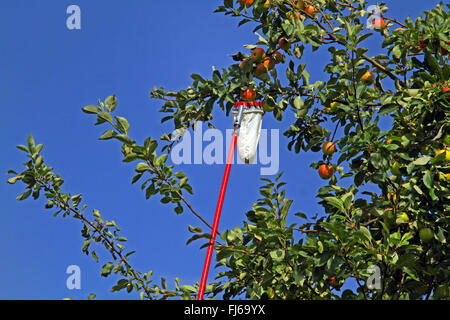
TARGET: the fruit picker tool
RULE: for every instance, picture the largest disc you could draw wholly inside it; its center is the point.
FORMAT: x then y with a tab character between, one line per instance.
247	121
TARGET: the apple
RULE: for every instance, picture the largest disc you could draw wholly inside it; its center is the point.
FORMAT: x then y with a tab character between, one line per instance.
368	77
243	63
284	44
379	23
332	281
299	4
278	57
258	55
246	3
310	9
444	88
426	235
269	63
395	169
248	94
328	148
326	171
260	69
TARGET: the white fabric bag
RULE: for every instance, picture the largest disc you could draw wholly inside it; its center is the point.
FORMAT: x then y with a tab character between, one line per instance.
250	130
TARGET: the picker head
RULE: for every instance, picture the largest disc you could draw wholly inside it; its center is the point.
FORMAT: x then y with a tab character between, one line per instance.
247	122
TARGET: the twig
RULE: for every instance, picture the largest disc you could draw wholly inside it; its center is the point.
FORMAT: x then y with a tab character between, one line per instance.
63	205
162	177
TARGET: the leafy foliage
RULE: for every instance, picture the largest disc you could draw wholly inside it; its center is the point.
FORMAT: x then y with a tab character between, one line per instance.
396	181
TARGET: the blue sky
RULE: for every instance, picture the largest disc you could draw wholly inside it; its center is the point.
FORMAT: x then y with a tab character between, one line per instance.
125	48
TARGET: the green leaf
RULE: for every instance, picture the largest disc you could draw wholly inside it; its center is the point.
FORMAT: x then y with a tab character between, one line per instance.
23	148
13	180
123	124
121	284
188	289
364	233
335	202
108	134
91	109
123	138
94	255
422	161
76	200
285	208
433	64
428	179
194	230
161	160
24	195
142	167
163	283
104	117
130	157
397	52
31	144
136	178
150	145
277	255
96	213
111	103
39	161
298	102
106	269
388	108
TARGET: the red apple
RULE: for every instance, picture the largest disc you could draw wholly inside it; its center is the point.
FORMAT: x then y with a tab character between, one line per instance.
379	23
326	171
284	44
258	55
269	63
248	95
368	77
260	69
246	3
278	57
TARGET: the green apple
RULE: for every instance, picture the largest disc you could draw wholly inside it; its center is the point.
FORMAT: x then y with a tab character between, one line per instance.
426	235
395	169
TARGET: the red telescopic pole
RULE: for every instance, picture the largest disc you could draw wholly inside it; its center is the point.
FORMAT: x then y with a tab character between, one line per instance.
236	125
217	217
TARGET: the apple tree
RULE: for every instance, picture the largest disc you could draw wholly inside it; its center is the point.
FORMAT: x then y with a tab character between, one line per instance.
385	198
